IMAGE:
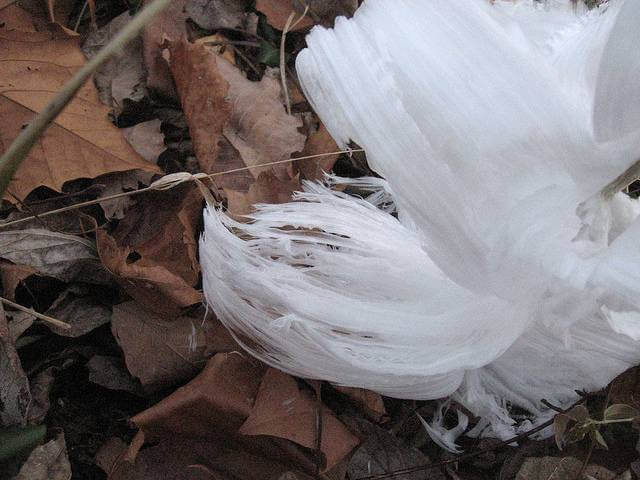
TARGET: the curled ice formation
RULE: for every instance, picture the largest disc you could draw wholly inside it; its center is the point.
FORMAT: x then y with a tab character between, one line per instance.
506	276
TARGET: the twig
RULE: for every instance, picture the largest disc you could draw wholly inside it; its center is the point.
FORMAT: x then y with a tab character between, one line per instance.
21	146
283	67
471	455
243	43
39	316
623	180
167	182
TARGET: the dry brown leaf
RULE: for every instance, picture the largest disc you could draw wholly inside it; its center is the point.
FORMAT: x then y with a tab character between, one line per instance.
40	388
214	403
65	257
169	25
235	123
557	468
12	275
190	458
147	139
283	409
382	453
319	142
153	251
122	77
163	352
109	453
370	402
110	372
215	14
47	462
15	396
81	143
625	388
18	322
324	11
115	183
78	308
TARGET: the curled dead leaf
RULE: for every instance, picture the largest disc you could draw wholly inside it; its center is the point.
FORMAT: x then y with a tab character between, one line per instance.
153	251
15	396
235	123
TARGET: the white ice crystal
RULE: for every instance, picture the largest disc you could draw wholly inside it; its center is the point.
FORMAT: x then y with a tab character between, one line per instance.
506	276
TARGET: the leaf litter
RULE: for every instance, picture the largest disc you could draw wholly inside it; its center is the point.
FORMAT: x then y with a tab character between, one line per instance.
128	281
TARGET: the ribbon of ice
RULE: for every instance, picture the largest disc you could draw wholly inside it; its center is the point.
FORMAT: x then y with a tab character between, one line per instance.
508	276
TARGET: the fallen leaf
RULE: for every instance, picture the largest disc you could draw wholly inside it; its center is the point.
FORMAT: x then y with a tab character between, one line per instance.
110	373
123	76
370	402
15	396
215	403
557	468
169	25
625	388
115	183
65	257
12	275
319	142
325	11
190	458
47	462
78	308
81	143
153	251
40	388
146	139
383	453
18	322
236	123
109	454
161	353
283	409
216	14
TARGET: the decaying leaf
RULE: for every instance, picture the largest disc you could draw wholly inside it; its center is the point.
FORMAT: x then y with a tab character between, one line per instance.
162	353
284	410
167	26
65	257
81	143
215	14
370	402
115	183
110	372
318	142
382	453
625	388
153	250
15	396
78	308
40	389
123	76
560	468
12	275
322	11
146	139
109	453
18	322
47	462
214	403
235	123
195	459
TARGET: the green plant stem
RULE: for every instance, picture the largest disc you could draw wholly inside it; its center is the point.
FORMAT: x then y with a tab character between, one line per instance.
21	146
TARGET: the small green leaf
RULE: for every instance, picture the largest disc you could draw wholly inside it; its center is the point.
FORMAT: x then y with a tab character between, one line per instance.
597	437
560	423
579	413
578	432
621	411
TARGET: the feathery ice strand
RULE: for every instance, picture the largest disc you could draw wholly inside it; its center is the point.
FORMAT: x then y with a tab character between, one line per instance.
507	277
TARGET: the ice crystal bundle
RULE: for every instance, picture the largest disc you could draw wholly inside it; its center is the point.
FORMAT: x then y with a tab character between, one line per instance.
508	275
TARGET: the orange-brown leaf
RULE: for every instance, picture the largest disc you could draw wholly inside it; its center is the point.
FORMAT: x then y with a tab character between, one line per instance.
82	142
